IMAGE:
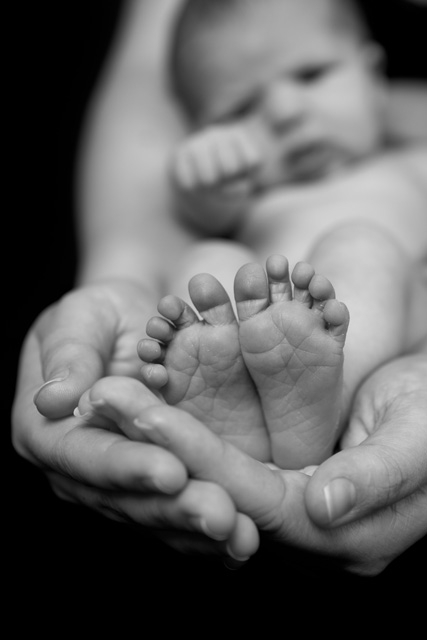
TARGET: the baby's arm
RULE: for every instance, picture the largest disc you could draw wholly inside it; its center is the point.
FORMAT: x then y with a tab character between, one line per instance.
213	172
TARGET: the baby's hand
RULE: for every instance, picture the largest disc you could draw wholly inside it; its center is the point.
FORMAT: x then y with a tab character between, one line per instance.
220	156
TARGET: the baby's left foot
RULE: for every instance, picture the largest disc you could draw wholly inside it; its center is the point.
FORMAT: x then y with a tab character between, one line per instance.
292	341
197	365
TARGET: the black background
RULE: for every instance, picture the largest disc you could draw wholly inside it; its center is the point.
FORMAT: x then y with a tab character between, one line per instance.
66	562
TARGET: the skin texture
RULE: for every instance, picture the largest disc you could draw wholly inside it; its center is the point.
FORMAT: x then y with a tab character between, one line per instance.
268	379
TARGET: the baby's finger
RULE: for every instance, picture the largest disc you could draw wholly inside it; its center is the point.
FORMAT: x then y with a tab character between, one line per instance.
204	160
184	169
235	152
248	152
229	158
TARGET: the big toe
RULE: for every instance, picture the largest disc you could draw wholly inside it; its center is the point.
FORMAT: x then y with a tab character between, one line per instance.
250	290
211	300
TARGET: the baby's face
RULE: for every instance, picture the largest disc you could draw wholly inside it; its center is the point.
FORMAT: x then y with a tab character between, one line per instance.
305	89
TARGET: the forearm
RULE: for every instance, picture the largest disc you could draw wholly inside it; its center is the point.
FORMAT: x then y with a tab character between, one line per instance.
213	211
125	226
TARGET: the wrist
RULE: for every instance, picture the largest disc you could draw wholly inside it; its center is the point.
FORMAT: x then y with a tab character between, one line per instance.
217	209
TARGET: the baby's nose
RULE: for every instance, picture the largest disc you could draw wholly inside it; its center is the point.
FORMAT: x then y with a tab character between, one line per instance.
284	104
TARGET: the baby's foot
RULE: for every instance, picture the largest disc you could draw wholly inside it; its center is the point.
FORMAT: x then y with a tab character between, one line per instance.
292	343
197	365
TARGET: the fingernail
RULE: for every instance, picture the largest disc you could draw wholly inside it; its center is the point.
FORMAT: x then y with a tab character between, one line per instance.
153	433
309	471
236	557
201	522
87	415
63	375
98	403
95	417
164	486
340	498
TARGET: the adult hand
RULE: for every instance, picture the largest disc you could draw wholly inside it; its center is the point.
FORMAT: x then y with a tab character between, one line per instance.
91	332
362	508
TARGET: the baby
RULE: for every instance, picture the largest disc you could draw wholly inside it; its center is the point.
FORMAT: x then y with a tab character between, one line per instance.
287	156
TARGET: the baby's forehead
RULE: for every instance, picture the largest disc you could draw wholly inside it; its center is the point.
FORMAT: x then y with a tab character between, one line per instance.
294	17
290	9
239	43
291	24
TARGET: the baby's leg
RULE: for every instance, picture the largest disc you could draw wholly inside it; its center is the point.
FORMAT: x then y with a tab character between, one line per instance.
197	365
220	258
384	292
292	343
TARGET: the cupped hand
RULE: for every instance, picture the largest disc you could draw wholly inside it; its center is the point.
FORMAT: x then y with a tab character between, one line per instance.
91	332
362	508
382	466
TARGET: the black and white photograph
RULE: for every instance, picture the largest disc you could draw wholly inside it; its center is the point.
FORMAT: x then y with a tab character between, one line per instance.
218	387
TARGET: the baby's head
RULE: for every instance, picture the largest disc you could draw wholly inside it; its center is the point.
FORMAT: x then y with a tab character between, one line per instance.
302	73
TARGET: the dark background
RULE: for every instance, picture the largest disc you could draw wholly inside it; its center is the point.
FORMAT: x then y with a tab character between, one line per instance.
66	561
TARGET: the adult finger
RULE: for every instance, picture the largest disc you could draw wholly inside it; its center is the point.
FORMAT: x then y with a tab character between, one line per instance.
126	403
200	508
387	459
76	337
210	458
274	499
94	456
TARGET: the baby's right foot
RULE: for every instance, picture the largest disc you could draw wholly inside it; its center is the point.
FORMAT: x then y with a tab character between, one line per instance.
197	365
292	342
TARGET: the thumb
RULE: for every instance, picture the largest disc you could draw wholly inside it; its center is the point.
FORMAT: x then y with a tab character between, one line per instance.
386	467
75	341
